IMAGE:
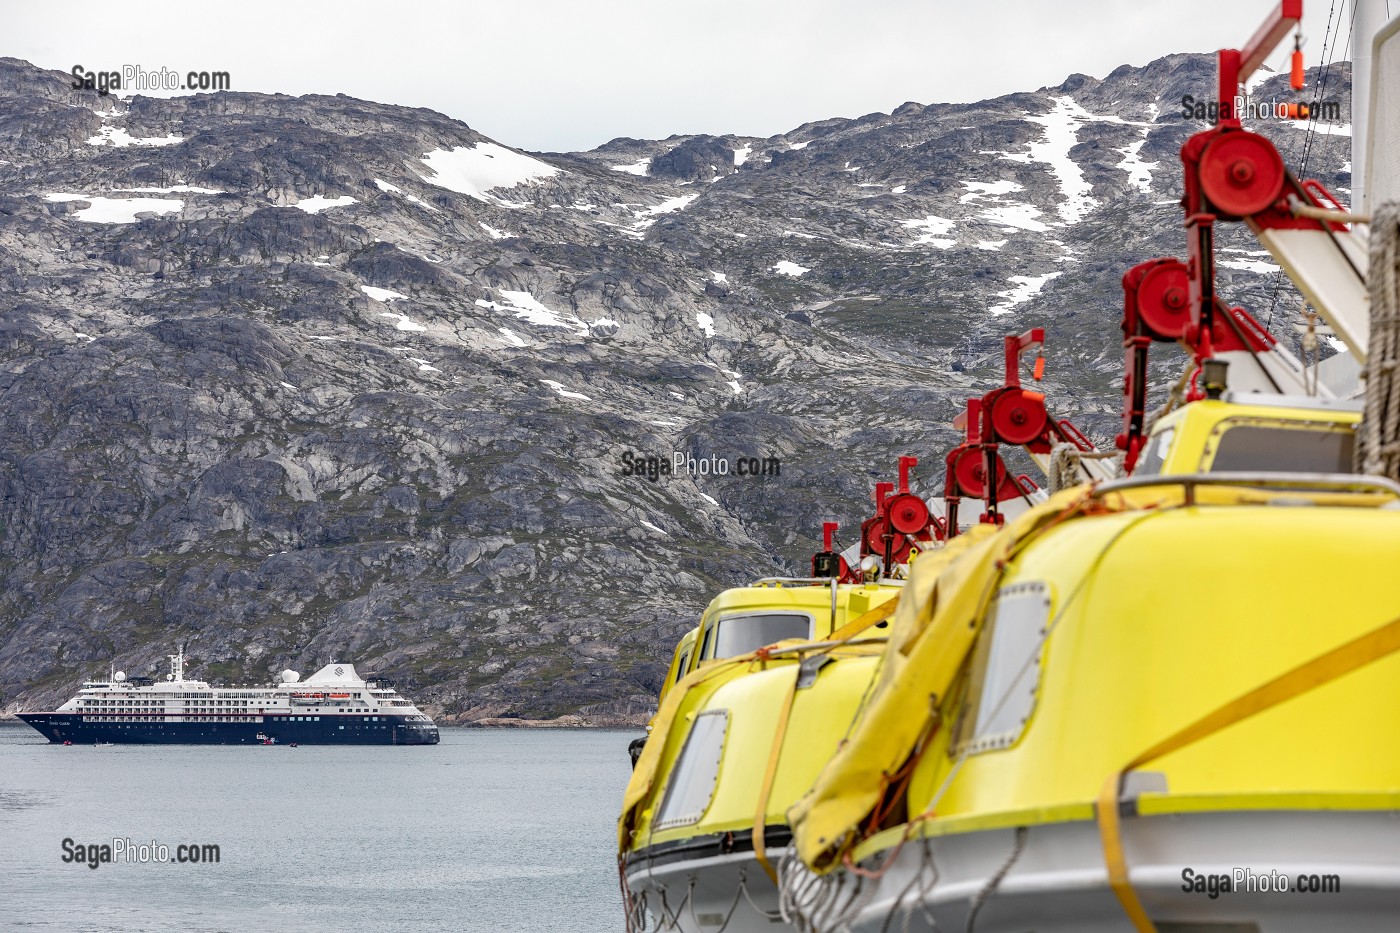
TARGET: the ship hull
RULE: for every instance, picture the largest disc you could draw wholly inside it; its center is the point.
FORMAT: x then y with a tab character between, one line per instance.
381	730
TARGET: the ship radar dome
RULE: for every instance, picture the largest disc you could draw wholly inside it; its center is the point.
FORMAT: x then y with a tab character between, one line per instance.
119	676
290	677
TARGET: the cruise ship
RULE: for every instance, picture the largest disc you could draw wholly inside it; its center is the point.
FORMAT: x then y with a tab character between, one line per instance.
334	706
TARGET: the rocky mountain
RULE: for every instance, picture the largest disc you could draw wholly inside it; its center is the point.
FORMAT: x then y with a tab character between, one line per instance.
290	379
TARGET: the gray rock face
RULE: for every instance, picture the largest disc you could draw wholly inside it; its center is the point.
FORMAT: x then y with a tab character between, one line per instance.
293	379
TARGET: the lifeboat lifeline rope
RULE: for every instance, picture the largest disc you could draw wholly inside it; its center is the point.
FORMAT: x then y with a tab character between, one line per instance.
1378	439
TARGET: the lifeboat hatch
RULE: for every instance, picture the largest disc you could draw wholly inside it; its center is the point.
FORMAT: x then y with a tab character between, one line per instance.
1006	669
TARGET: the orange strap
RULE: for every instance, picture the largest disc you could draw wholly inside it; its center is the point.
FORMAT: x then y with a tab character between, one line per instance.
859	624
760	817
1322	669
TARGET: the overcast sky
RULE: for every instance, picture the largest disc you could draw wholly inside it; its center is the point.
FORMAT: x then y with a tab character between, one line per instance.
559	75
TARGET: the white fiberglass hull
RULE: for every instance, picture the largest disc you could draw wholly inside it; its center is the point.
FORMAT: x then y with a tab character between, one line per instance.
1052	879
723	892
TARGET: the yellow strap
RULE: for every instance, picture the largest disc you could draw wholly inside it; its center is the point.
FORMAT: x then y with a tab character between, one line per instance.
853	628
1322	669
760	817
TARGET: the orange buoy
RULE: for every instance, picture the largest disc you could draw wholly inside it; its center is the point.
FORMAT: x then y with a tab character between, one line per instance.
1296	78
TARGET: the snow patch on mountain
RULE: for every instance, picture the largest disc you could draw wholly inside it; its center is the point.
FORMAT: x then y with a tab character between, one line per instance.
1061	134
314	205
388	186
559	387
641	167
119	138
1261	74
530	309
934	231
1024	288
173	189
1323	129
381	294
1019	216
117	210
1139	172
1249	265
483	168
787	267
977	190
403	321
667	206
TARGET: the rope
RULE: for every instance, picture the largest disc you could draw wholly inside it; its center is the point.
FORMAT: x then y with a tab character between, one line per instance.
813	903
1063	471
689	897
994	882
1377	449
772	916
928	874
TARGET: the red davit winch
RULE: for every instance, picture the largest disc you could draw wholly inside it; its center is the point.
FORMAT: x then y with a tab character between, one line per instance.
902	522
1009	414
1231	174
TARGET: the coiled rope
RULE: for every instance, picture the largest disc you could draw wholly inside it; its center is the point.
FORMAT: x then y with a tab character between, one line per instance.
1065	469
1377	449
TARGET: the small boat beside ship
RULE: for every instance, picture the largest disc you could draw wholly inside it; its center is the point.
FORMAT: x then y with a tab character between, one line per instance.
334	706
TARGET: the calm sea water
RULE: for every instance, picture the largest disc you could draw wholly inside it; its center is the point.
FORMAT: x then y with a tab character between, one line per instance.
488	831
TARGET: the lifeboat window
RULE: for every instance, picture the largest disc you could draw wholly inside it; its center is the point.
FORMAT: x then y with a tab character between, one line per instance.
1154	455
682	665
1253	446
1005	669
693	779
740	634
705	645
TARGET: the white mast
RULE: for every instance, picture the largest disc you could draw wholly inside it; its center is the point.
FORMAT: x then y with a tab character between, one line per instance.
177	664
1368	18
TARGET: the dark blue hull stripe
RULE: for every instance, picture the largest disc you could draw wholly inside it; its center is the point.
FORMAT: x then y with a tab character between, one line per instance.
388	730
